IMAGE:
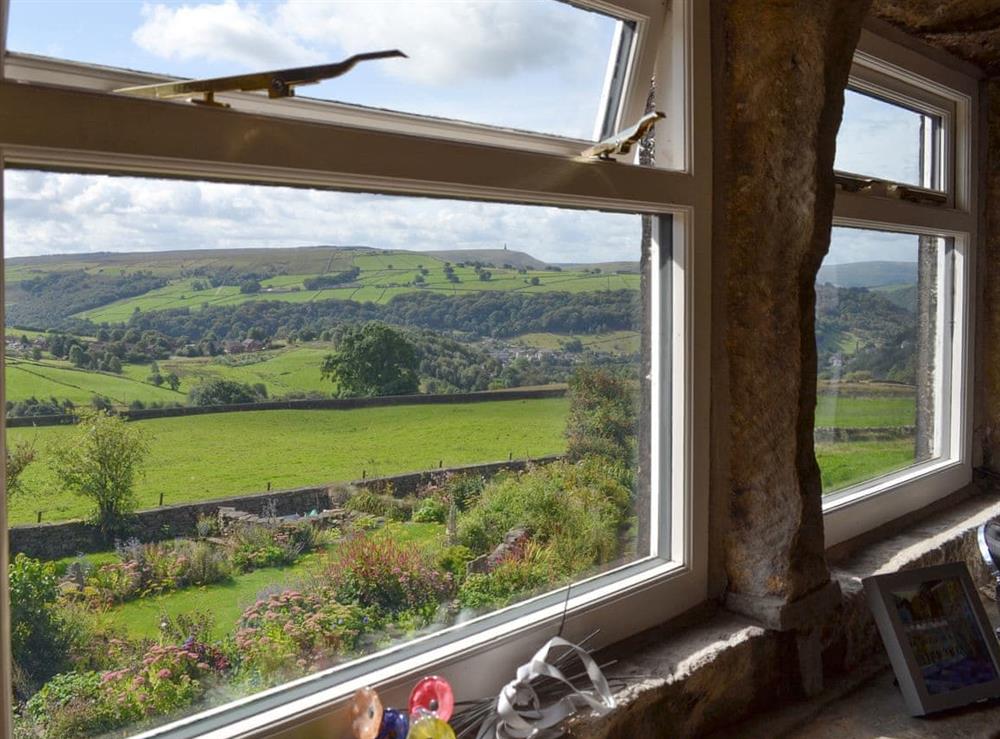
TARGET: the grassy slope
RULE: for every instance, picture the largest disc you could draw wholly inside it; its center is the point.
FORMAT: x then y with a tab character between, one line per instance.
46	378
383	276
616	342
281	370
201	457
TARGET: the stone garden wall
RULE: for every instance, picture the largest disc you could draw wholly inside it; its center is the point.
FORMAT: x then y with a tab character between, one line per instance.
55	540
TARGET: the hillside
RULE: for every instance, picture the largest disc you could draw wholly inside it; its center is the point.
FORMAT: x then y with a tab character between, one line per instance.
77	292
868	274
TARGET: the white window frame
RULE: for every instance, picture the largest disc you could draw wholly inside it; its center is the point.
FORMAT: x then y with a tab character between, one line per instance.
59	116
902	74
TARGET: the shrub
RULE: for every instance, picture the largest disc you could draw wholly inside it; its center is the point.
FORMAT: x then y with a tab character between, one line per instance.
464	490
575	509
222	392
511	580
292	632
74	704
454	560
374	571
602	417
431	510
150	569
39	636
206	526
252	546
386	506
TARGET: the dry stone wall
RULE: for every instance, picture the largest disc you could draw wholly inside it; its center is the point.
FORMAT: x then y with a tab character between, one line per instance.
55	540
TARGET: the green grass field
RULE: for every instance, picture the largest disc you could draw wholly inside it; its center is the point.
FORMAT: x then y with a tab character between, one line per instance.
845	464
211	456
864	412
52	378
382	277
295	368
613	342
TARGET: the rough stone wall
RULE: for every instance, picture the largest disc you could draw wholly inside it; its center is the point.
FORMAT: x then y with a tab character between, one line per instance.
988	272
969	29
782	66
55	540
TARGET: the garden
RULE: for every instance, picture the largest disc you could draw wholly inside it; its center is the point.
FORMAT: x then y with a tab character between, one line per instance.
313	592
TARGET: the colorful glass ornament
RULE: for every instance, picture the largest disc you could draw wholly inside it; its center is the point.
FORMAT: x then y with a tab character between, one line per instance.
431	728
432	696
395	724
366	714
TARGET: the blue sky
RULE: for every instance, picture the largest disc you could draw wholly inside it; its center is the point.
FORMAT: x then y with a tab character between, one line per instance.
530	64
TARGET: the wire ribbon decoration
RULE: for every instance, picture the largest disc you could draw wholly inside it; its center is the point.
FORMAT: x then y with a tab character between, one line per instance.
520	711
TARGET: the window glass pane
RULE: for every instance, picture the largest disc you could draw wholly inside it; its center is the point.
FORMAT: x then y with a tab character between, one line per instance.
536	65
245	341
877	339
888	142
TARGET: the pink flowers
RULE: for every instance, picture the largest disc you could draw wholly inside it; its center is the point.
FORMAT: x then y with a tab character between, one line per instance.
163	674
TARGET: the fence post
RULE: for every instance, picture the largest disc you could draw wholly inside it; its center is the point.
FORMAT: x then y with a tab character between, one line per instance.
161	500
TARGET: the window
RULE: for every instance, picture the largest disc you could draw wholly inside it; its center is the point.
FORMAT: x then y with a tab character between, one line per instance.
892	416
152	262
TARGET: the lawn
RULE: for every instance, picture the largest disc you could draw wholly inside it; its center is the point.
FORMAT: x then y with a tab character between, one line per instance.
842	411
200	457
844	464
227	601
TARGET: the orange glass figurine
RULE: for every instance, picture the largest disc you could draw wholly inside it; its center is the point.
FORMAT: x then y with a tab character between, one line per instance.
366	714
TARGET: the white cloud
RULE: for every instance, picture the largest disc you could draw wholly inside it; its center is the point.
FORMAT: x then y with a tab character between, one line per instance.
225	31
448	42
65	213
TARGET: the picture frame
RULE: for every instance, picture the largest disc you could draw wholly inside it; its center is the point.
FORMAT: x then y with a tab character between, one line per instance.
940	642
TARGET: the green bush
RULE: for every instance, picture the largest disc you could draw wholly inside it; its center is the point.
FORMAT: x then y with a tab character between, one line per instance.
374	504
602	417
374	571
454	560
577	510
74	704
464	490
39	636
513	579
290	633
431	510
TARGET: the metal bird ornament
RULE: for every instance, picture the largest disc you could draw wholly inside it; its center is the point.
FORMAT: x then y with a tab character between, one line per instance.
279	83
623	141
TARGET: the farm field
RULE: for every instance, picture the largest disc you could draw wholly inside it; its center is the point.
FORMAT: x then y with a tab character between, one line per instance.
617	342
864	412
283	371
382	277
211	456
53	378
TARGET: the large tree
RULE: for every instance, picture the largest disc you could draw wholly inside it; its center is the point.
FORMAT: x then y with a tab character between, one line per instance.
100	460
371	360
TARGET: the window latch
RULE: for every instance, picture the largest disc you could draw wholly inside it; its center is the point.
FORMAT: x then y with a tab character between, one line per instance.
623	141
885	189
279	83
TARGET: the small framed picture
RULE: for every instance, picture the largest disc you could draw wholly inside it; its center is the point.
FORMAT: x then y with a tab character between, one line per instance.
939	640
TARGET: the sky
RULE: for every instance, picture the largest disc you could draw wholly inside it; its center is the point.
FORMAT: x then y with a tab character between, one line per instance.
531	64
